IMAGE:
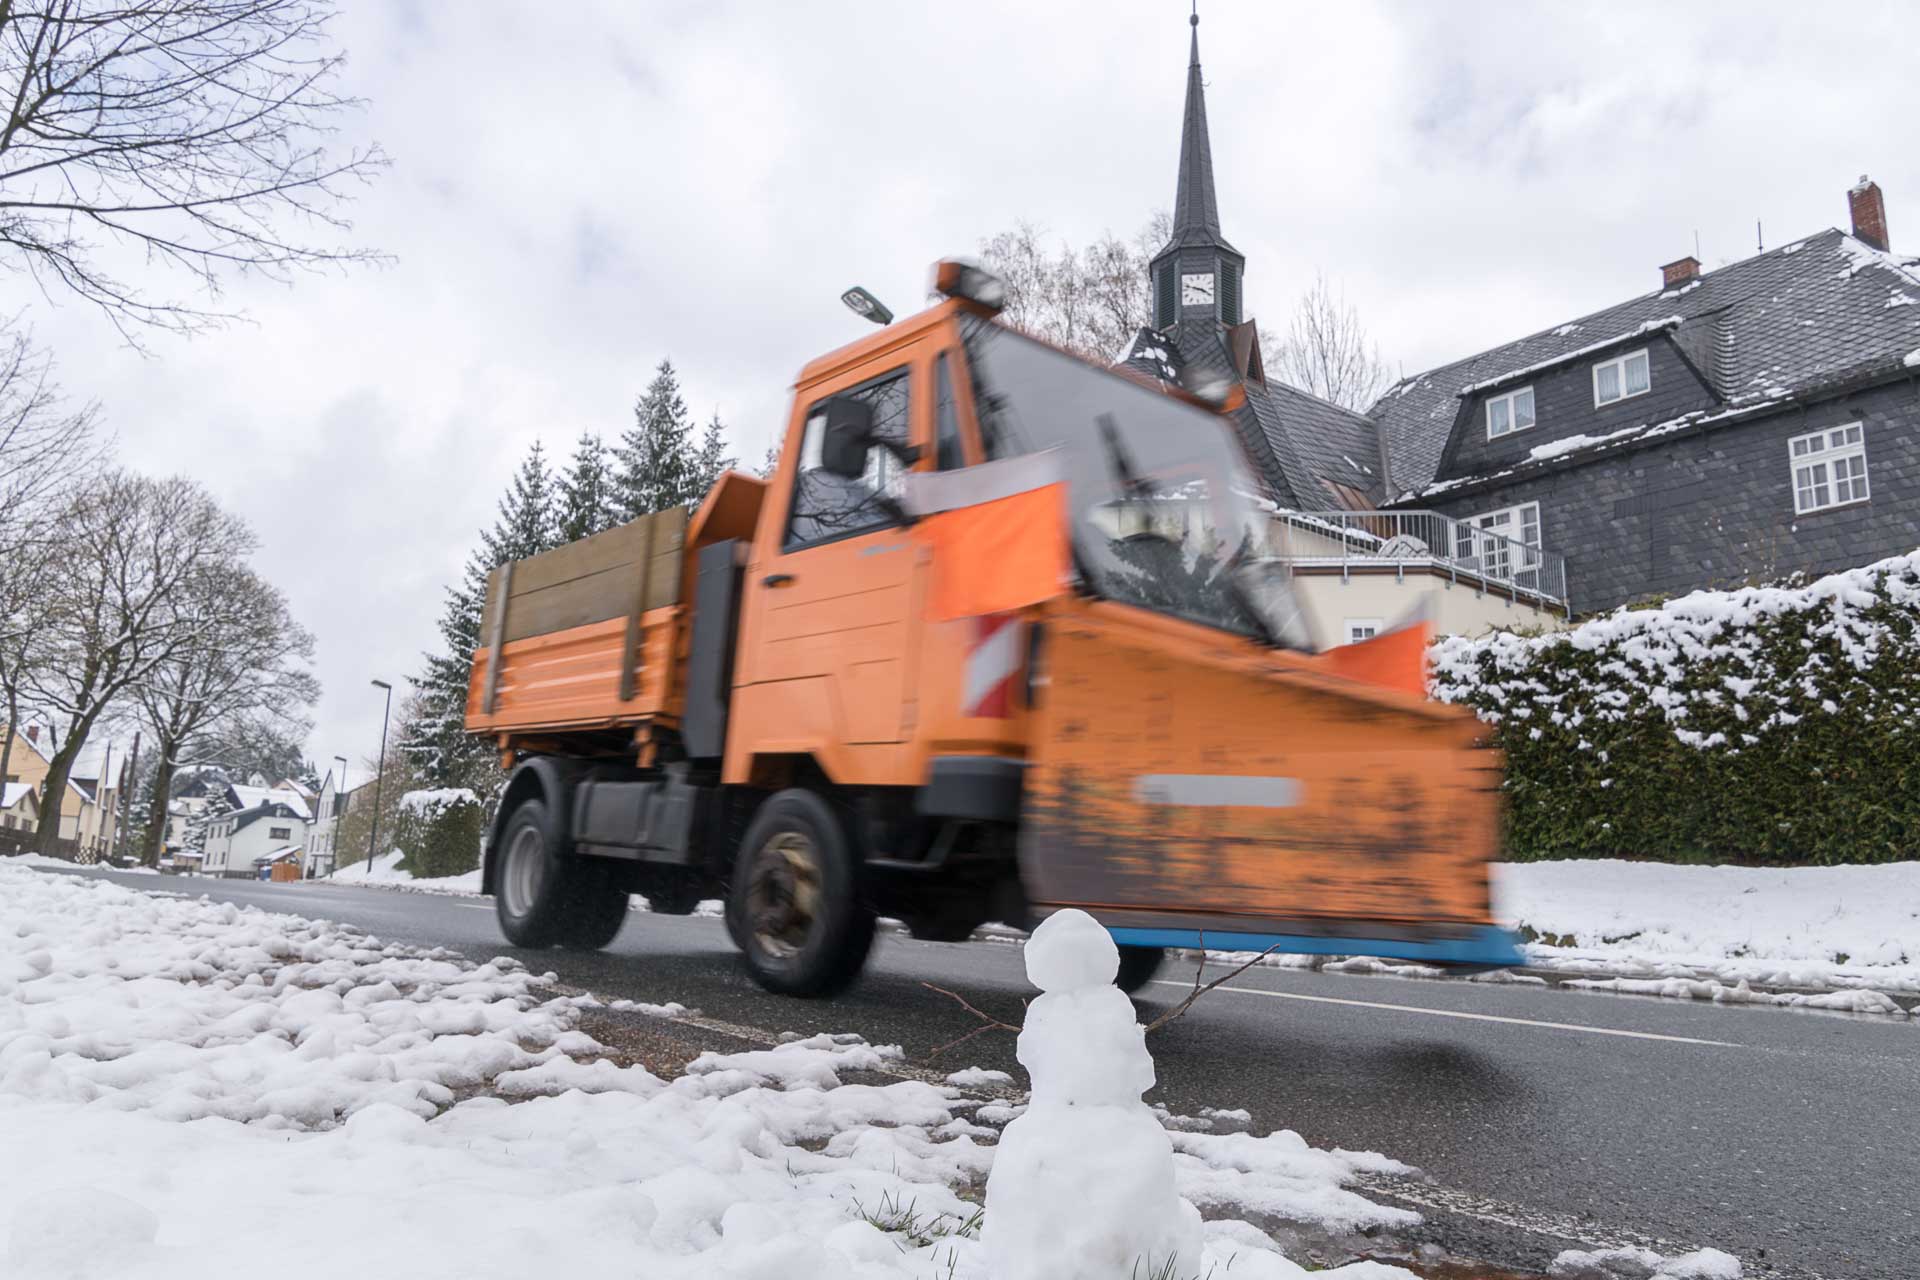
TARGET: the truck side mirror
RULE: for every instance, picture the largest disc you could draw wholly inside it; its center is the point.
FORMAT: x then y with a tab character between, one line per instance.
845	438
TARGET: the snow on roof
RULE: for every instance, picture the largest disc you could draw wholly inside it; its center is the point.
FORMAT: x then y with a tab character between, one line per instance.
1745	319
253	797
11	794
1650	326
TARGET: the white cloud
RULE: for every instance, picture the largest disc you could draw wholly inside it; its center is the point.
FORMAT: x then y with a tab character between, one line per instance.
574	197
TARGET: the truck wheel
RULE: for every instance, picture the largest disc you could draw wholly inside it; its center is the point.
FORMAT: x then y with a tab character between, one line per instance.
543	899
1137	967
596	910
795	897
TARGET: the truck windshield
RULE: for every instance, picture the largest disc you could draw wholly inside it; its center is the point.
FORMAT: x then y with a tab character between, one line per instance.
1165	512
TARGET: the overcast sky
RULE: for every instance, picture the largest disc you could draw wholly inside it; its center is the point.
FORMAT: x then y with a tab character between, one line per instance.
579	190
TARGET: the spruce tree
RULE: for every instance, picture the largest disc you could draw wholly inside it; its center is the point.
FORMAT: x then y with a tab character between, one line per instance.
586	491
714	460
436	739
656	460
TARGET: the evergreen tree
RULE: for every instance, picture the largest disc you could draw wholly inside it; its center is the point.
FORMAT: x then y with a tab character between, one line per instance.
435	739
657	462
714	460
586	491
219	804
528	521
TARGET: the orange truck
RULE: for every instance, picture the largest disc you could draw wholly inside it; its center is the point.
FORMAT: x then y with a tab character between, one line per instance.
999	636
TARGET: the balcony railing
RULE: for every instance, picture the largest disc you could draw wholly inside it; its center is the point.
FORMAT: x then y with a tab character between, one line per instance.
1425	541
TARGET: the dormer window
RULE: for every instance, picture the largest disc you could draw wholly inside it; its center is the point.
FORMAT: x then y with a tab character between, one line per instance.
1621	378
1509	413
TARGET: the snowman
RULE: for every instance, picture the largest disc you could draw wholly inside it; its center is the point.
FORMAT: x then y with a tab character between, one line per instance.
1082	1183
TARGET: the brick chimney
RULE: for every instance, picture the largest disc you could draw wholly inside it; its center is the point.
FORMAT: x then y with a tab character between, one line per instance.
33	733
1685	271
1869	212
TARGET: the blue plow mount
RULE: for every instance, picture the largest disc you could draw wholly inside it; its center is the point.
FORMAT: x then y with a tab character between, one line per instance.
1487	947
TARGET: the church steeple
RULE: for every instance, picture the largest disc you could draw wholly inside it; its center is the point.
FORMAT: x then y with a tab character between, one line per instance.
1196	277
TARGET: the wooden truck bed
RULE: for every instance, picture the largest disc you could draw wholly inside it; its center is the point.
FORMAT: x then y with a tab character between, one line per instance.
586	636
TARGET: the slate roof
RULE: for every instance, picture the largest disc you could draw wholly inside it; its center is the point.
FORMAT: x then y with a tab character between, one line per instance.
1820	311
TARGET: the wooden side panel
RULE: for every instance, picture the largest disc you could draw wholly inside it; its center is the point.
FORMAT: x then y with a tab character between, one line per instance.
592	580
1165	783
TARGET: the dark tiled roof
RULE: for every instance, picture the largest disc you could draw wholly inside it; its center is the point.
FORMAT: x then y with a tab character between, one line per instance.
1293	438
1809	313
1330	442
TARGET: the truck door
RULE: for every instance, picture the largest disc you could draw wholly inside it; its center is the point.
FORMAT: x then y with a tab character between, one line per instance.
833	602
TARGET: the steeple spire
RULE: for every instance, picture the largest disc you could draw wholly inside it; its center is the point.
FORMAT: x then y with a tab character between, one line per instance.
1196	276
1196	212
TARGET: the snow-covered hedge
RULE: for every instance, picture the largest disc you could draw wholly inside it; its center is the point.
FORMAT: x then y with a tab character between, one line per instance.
1772	724
439	831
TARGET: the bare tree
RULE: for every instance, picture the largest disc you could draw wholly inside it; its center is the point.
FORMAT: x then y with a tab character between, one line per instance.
1326	351
246	661
120	611
1090	301
182	130
46	452
45	446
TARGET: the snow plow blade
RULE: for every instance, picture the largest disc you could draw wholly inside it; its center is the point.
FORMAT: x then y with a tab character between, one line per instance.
1198	795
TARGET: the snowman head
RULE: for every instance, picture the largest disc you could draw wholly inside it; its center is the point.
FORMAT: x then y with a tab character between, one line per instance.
1071	950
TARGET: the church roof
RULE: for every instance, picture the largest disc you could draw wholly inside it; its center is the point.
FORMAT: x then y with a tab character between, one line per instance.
1196	210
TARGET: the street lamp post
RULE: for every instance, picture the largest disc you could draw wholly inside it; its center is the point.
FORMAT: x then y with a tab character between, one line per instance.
339	811
373	832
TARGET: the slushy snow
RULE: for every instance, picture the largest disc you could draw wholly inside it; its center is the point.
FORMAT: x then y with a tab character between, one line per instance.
191	1090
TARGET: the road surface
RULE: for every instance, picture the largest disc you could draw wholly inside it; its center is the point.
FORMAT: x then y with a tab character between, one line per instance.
1543	1117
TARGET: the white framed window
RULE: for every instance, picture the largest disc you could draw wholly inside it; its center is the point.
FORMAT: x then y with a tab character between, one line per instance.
1500	544
1509	413
1359	629
1829	468
1622	378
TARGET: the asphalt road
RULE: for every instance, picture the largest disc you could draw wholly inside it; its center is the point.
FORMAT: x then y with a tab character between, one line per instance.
1540	1116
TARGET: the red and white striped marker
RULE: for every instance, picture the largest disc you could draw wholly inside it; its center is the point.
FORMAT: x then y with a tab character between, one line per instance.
993	660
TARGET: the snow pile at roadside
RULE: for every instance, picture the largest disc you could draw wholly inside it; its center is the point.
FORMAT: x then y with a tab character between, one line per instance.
1842	928
386	872
1644	1264
360	1109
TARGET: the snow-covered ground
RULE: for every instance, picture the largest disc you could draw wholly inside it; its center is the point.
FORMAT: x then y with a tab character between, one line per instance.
193	1089
1850	930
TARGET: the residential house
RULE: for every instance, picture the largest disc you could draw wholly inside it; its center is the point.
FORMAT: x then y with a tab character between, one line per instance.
19	810
88	810
1730	426
329	807
264	830
1319	463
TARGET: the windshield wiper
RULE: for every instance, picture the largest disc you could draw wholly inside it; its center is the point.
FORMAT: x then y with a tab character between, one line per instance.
1119	460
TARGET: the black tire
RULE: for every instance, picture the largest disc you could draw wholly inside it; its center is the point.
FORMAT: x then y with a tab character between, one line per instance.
1137	967
795	903
544	899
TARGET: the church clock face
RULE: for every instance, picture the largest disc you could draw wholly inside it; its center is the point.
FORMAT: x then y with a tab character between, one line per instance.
1197	290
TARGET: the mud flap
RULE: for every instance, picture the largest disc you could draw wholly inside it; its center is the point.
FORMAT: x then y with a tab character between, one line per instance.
1173	791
